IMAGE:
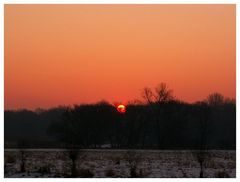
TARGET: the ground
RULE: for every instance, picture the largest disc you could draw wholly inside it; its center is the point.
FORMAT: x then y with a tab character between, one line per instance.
118	163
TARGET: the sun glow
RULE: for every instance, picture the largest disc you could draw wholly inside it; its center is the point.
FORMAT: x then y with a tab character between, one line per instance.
121	108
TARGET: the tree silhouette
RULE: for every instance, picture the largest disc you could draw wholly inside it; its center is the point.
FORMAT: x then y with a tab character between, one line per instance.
215	99
158	100
160	121
202	154
22	145
163	94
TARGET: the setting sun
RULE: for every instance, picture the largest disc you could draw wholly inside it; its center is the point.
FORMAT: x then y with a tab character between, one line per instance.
121	108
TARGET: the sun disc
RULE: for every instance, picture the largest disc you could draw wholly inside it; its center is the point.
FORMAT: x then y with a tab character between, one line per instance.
121	108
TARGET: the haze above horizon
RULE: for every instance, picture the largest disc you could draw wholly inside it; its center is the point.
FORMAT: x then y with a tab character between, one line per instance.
67	54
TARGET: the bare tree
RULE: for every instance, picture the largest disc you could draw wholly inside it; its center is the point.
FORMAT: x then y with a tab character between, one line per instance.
22	150
73	155
202	153
215	99
133	160
73	139
148	95
161	95
212	102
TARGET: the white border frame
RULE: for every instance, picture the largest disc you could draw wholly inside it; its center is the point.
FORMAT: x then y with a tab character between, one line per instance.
112	2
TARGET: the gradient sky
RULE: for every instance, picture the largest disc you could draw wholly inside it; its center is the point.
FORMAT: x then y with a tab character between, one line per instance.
73	54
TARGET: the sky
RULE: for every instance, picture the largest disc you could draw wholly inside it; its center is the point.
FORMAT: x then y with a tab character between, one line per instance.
72	54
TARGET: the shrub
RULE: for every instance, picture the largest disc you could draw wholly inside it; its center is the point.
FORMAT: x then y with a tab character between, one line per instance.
222	174
44	169
132	162
117	160
85	173
10	159
133	172
109	173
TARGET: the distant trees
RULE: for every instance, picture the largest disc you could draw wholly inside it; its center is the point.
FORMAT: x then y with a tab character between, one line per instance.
215	99
160	121
135	126
210	117
222	119
157	100
88	125
31	126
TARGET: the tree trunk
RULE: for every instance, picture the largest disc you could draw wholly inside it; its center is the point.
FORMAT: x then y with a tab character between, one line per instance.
74	168
23	167
201	170
22	162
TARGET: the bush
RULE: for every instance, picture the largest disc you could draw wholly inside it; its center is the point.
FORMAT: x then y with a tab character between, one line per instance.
109	173
117	161
133	172
10	159
85	173
44	169
132	162
222	174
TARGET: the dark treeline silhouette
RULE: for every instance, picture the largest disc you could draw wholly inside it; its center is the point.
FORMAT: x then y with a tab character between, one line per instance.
160	122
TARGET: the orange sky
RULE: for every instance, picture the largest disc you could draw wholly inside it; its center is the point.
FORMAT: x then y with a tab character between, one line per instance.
72	54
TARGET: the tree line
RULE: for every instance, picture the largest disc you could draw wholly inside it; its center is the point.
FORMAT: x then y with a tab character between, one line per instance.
159	121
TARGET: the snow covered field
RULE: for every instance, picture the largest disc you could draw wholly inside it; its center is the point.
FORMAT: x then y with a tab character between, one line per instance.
118	163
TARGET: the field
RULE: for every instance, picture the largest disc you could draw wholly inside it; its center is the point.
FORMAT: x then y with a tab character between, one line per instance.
118	163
